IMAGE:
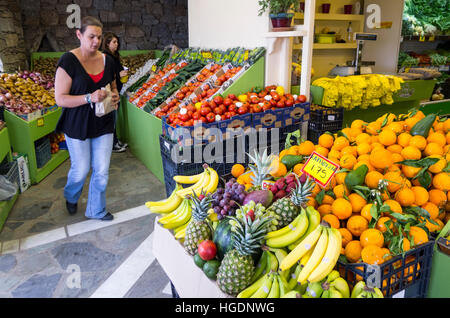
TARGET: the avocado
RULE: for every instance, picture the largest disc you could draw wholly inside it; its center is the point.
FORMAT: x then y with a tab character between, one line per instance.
211	268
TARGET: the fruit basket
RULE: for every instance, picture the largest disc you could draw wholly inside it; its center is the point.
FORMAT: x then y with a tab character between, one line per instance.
395	275
43	151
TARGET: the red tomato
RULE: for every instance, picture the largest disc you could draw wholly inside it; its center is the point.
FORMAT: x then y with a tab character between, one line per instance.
257	108
289	102
254	100
207	250
224	108
280	104
191	107
232	97
211	117
218	100
218	111
266	105
223	117
302	99
242	110
273	102
232	108
227	101
196	115
227	115
203	120
205	111
184	117
233	114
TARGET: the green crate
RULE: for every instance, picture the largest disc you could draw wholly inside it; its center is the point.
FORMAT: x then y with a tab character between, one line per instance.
440	270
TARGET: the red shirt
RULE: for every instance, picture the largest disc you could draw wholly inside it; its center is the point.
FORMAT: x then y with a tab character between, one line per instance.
97	78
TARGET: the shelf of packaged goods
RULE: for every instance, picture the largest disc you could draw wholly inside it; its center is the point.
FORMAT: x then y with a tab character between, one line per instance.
331	46
23	134
333	17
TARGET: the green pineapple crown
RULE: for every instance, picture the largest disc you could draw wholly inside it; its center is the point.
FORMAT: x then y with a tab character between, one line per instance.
201	205
261	167
248	234
301	193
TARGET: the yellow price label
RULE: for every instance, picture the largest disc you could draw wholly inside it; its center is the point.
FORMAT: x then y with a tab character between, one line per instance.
154	68
207	55
431	38
320	168
40	122
422	38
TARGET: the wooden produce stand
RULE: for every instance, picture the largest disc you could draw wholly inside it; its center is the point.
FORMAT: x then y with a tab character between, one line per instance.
141	130
187	278
23	134
5	152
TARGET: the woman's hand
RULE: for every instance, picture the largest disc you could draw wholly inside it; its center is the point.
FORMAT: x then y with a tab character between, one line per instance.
123	73
98	96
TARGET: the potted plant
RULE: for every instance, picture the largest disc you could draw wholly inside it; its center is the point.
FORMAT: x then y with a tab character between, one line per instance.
278	11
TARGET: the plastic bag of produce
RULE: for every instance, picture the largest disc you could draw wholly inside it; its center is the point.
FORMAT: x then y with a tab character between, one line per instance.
7	189
106	106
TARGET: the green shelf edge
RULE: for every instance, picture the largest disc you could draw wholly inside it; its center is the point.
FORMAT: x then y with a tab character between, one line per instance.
5	208
5	145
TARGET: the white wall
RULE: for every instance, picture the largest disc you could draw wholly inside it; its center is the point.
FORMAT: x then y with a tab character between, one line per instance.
226	23
384	51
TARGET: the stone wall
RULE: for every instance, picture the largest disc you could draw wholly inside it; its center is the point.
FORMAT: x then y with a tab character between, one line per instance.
12	45
140	24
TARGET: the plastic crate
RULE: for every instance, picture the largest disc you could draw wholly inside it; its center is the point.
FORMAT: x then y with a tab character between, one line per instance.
43	152
313	135
10	171
320	114
326	126
409	275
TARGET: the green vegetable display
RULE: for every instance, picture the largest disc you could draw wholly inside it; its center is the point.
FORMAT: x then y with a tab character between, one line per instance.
426	17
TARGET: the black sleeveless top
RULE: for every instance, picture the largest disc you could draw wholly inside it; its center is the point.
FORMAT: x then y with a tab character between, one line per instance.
80	122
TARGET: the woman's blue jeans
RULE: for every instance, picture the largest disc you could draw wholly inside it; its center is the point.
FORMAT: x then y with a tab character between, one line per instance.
84	154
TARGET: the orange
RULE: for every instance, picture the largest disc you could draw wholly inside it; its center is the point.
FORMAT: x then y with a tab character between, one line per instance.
322	150
438	138
357	202
363	139
278	169
421	195
418	235
372	179
447	125
403	139
411	153
396	157
364	162
376	145
353	251
327	199
373	127
406	245
372	254
283	153
357	224
340	143
438	166
365	157
381	226
349	150
447	136
396	126
340	177
405	196
410	171
387	137
365	212
394	180
340	190
346	236
395	149
438	197
341	208
293	151
381	158
432	209
316	189
312	202
324	209
306	148
297	169
390	118
332	220
326	140
441	181
334	153
433	149
237	170
410	122
372	237
432	227
418	141
358	123
348	161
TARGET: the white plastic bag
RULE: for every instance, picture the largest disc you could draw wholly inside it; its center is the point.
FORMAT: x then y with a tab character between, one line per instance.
7	189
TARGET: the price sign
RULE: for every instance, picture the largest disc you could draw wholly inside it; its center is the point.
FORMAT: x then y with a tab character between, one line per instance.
154	68
319	168
422	38
207	55
40	122
266	184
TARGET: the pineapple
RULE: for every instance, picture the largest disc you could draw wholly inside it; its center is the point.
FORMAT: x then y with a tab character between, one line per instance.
199	228
289	207
261	168
237	267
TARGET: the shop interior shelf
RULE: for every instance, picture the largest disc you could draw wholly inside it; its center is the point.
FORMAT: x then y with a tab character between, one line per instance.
333	16
326	46
23	134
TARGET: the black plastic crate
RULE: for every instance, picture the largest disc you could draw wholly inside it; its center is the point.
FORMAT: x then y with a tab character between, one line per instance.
326	126
10	171
320	114
43	152
410	273
313	135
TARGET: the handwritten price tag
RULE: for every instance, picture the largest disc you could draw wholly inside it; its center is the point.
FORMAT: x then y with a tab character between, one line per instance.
40	122
320	169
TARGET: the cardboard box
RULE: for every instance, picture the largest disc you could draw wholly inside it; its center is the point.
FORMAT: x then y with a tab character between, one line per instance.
188	279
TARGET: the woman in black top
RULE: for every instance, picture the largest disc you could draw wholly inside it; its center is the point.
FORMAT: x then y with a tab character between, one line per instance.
80	75
111	46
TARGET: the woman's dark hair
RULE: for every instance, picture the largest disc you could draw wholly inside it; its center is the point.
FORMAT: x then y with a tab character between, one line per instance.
89	21
107	38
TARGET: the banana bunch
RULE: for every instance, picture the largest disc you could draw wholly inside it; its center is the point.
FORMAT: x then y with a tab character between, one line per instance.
333	286
167	205
294	232
325	244
177	218
267	281
361	290
206	181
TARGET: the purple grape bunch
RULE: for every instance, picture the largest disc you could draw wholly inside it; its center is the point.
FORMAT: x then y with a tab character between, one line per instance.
227	200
